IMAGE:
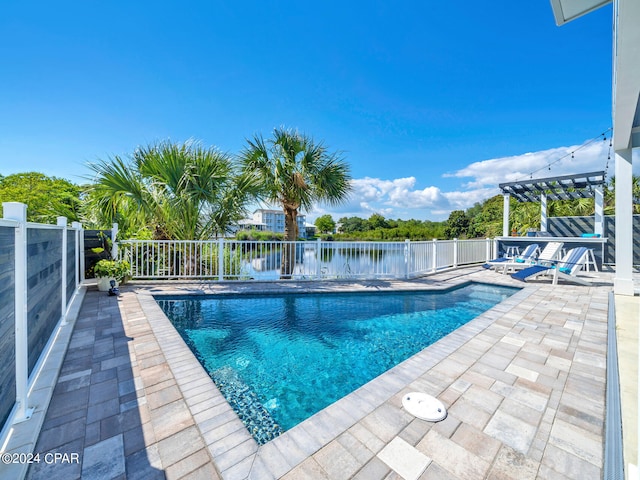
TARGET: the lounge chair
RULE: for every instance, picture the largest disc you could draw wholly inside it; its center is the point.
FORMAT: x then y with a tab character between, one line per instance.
565	269
527	256
550	254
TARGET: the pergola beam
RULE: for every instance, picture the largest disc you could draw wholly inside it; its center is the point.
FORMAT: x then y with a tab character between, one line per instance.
567	10
566	187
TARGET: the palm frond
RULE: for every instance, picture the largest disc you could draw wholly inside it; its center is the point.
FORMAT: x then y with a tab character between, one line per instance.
296	171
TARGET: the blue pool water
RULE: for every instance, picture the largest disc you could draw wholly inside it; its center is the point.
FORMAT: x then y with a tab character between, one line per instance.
280	359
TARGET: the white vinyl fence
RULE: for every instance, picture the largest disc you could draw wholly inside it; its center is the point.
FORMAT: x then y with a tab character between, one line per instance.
224	259
41	269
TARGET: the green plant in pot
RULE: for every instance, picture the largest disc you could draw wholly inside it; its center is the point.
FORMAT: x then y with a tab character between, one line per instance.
107	270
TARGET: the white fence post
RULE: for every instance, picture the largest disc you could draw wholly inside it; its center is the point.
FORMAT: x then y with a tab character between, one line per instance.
434	260
407	257
18	212
79	272
488	249
318	258
455	252
62	222
80	252
114	241
221	259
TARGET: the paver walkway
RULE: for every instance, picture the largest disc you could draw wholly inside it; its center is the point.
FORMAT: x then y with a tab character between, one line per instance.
523	383
116	404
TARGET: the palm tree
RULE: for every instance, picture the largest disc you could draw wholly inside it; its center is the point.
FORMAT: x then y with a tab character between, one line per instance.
526	215
610	196
178	191
295	172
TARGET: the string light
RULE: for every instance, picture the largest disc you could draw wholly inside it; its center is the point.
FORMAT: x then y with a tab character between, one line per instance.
572	153
606	166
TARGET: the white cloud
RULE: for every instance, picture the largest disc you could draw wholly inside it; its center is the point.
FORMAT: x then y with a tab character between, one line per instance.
392	198
584	158
461	200
399	192
399	198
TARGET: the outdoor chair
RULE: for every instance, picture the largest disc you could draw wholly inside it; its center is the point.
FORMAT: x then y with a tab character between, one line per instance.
565	269
550	253
527	256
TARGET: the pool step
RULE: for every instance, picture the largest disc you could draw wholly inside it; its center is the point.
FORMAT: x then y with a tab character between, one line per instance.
487	296
244	401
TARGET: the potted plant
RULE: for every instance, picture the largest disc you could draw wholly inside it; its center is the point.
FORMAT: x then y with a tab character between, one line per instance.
107	270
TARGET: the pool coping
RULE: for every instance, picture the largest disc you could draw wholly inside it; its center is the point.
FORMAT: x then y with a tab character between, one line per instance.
234	451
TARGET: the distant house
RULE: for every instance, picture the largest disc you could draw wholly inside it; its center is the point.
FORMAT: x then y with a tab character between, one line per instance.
310	230
250	224
272	221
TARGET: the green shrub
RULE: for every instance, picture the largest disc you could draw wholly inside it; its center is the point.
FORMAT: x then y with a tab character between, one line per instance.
259	235
117	269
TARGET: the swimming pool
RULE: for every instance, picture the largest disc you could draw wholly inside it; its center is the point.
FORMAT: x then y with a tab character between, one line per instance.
278	359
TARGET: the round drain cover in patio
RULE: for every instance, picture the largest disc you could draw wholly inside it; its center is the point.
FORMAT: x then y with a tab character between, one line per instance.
424	406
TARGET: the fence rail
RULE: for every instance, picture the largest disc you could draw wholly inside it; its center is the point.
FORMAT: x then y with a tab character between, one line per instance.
225	259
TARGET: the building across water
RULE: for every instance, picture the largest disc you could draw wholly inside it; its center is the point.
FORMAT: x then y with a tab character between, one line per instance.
271	221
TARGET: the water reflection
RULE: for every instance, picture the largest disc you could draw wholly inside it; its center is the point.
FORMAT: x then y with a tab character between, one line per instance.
336	260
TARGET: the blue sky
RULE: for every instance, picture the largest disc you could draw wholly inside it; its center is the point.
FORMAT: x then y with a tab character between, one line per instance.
431	103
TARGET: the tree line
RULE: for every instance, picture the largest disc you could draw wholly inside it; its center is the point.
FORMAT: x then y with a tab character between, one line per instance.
378	228
482	220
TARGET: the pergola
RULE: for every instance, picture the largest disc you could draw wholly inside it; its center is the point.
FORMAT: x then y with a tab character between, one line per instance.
566	187
625	113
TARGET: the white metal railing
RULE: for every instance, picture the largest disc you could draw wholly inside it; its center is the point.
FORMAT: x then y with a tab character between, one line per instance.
225	259
470	250
445	254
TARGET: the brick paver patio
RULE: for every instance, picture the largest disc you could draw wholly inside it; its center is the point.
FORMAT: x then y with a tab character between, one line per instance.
523	383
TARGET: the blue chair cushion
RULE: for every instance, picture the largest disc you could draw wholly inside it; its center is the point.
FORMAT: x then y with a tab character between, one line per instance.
522	275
